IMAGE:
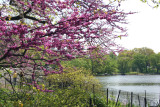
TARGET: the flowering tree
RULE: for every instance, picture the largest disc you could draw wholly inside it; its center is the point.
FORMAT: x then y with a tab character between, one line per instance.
34	33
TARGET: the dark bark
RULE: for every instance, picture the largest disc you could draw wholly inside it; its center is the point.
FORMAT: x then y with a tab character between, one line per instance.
25	16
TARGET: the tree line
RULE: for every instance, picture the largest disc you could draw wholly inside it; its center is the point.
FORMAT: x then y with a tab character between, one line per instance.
138	60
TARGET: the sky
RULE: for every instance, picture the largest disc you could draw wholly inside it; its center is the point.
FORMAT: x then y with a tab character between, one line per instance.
143	27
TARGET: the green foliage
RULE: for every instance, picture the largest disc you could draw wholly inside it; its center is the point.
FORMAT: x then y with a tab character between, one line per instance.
136	60
98	100
79	63
123	64
74	77
125	61
77	91
106	64
70	97
110	64
155	61
61	98
139	61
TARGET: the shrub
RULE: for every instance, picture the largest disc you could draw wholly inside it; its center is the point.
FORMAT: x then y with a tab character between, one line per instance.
73	77
73	88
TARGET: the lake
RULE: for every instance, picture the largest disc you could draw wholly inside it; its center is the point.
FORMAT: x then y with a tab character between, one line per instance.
137	84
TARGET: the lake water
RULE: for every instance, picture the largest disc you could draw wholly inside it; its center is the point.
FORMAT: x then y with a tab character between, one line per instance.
137	84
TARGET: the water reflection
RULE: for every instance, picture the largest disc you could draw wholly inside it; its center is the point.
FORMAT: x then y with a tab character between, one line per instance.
134	83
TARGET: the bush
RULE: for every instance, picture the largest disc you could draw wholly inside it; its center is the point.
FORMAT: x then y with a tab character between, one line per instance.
73	88
73	77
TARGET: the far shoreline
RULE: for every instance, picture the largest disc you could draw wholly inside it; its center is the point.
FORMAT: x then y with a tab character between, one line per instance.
127	74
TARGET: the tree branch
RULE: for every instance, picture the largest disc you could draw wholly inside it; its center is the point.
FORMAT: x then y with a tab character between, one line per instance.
20	54
33	18
25	16
13	18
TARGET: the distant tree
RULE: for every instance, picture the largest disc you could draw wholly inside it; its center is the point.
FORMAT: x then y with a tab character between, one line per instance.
144	50
123	64
147	52
139	62
155	61
99	65
110	64
125	59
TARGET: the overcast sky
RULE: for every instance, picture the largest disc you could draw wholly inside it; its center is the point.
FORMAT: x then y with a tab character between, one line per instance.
143	27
